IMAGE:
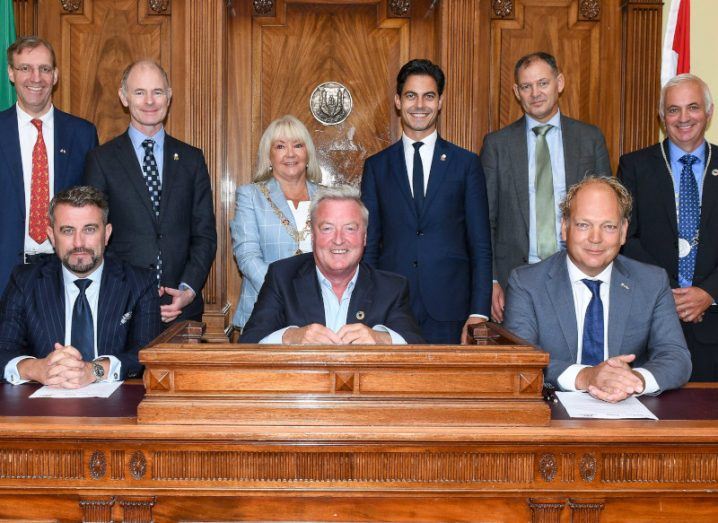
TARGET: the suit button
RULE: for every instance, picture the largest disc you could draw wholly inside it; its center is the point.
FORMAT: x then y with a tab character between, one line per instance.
419	233
159	236
525	259
415	264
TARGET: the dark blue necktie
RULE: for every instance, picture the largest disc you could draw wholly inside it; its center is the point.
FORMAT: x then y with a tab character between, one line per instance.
689	215
418	178
592	352
83	337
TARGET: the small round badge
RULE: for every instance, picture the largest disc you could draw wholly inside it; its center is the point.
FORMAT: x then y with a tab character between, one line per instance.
684	248
360	315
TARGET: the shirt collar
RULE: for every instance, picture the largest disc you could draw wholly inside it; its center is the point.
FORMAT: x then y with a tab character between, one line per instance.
323	281
137	137
675	152
555	121
69	278
576	275
427	140
25	118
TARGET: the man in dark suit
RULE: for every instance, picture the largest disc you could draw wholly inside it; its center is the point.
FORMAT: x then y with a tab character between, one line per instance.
159	194
674	223
42	151
607	321
77	317
428	217
328	296
528	165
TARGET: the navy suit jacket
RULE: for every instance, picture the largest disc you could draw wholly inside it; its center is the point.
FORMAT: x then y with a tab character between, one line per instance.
73	139
185	231
446	252
642	317
32	312
291	295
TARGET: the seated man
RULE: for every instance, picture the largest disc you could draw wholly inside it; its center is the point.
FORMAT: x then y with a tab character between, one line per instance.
77	317
328	296
608	322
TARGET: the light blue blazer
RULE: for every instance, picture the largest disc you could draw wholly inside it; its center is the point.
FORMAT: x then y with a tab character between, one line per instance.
258	239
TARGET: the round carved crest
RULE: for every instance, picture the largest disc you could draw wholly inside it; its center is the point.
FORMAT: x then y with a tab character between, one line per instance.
548	467
400	7
263	7
502	8
159	6
138	464
98	465
330	103
71	6
587	467
589	9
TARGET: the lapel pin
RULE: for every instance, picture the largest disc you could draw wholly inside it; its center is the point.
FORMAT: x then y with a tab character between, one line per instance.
442	157
625	286
360	315
63	151
126	317
714	172
175	157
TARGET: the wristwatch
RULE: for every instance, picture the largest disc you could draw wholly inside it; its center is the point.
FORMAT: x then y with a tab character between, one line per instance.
98	371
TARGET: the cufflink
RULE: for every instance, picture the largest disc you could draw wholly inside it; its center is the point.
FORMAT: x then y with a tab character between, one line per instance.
360	315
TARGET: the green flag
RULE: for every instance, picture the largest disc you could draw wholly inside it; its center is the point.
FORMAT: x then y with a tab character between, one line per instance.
7	37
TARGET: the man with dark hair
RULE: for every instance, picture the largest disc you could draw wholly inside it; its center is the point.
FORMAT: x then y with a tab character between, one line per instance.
160	195
327	296
42	151
607	321
428	217
674	223
528	165
77	317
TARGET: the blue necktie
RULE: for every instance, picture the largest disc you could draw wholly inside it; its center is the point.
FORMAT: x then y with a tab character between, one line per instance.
418	178
592	352
83	332
689	215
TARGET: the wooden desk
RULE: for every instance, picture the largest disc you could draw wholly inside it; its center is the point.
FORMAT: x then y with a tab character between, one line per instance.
58	465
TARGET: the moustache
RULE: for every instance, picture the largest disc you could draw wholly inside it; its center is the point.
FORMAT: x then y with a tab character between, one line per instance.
82	250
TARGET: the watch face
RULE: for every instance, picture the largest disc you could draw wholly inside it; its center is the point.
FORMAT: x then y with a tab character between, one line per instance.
98	370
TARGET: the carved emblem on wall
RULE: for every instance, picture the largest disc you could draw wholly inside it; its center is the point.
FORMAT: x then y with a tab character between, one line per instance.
138	464
98	465
548	467
330	103
589	9
400	7
263	7
502	8
71	6
159	7
587	467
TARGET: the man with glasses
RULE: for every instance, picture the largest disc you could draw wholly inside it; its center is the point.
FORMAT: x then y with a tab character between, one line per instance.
42	152
159	193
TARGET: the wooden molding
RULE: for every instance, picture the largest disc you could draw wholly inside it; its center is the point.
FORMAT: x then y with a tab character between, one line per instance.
72	6
399	8
160	7
502	8
263	8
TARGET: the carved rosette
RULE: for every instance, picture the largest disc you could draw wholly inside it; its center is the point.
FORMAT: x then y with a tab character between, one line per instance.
548	467
71	6
587	467
159	7
502	8
138	464
263	7
589	9
98	465
399	8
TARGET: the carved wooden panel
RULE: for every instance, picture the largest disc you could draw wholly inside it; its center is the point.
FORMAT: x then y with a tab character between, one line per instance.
41	464
25	17
659	467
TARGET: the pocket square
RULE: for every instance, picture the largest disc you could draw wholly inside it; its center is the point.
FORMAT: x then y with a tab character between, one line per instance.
126	317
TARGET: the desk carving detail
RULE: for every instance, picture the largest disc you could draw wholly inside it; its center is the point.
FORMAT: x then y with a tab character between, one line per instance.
98	465
40	464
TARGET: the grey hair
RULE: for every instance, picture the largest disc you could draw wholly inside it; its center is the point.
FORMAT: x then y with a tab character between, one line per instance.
625	201
147	62
683	78
342	192
80	196
289	128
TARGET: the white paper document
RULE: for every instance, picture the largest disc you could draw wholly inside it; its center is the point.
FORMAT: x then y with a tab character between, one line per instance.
583	405
102	389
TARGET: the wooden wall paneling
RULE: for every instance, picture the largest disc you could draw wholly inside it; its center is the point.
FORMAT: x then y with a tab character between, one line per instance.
25	17
641	74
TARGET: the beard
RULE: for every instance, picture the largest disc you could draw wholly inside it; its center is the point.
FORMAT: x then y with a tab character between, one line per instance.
82	268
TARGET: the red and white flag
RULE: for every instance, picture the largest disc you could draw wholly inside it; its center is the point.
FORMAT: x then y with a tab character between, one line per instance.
677	43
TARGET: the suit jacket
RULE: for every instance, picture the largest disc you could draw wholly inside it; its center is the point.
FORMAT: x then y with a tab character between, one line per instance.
504	157
259	238
642	317
445	253
32	312
73	139
185	230
653	229
291	295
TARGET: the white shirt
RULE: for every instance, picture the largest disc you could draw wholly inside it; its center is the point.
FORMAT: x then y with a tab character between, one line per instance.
301	215
581	298
71	293
28	137
426	152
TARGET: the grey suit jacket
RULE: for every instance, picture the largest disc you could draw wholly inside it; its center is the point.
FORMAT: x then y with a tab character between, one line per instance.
504	158
642	317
